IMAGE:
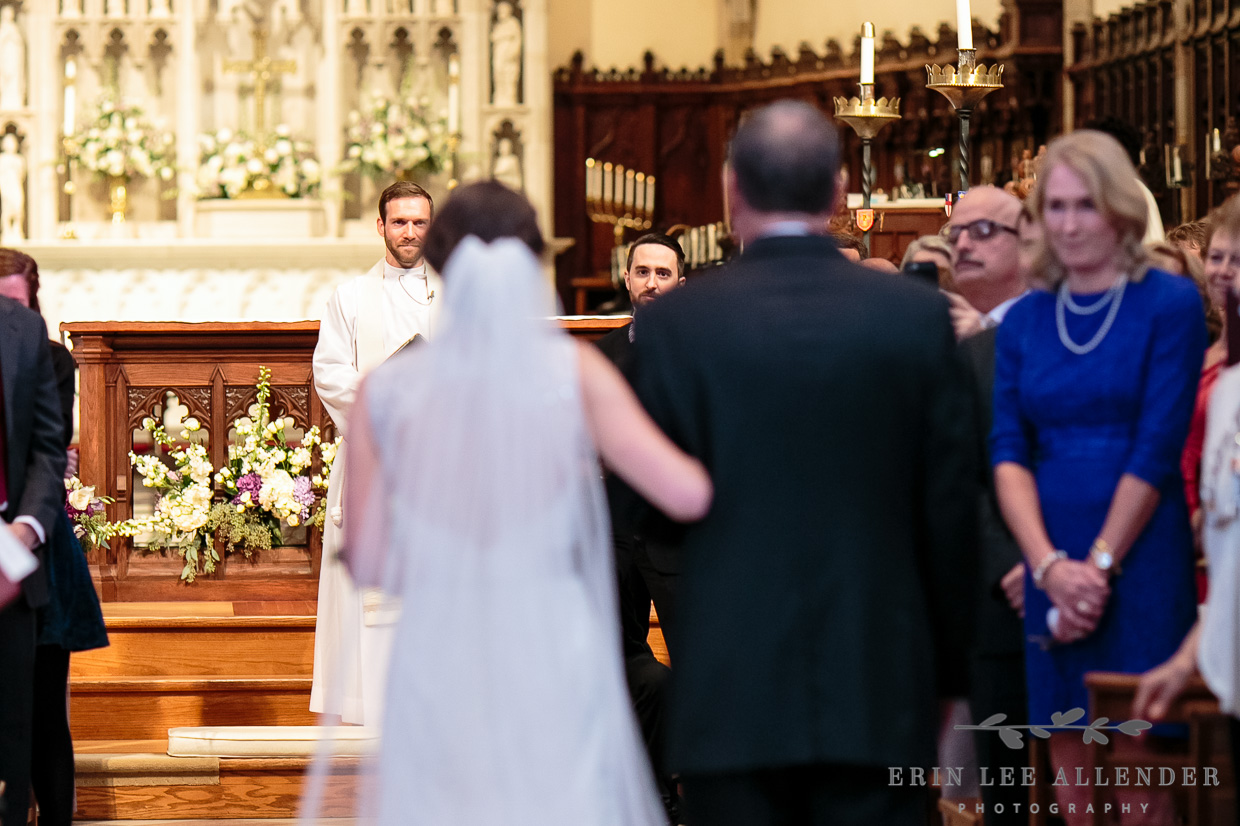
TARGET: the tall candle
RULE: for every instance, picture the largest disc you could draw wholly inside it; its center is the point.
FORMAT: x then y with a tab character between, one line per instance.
964	25
867	52
1218	144
650	196
1176	168
639	199
590	193
630	189
70	95
454	95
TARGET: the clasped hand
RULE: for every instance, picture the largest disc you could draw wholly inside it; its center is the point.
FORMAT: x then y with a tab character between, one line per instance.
1080	591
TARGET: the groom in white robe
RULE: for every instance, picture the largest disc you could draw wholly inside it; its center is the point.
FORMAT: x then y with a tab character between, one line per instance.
367	319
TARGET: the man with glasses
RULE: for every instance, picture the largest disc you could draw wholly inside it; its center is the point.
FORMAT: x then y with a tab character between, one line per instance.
985	238
988	231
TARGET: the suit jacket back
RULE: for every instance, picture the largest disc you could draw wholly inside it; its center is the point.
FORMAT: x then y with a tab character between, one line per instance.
34	434
825	596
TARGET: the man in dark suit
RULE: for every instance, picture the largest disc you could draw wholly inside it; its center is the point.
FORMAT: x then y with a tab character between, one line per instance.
32	493
987	255
655	265
824	599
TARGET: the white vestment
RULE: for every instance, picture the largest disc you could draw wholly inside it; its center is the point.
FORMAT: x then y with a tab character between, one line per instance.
1218	655
367	319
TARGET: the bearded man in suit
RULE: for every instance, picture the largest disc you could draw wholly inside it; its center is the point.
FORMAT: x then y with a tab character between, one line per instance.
825	596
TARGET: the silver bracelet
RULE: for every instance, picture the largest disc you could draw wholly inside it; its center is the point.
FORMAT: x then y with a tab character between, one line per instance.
1039	573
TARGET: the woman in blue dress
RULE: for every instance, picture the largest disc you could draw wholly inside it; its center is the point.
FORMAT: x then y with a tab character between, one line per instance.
1095	377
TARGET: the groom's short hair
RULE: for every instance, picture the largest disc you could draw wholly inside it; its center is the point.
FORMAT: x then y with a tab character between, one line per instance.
786	158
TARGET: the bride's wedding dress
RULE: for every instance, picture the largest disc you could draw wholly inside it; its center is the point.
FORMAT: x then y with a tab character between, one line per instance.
506	700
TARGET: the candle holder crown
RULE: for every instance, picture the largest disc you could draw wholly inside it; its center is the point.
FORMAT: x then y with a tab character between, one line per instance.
966	85
867	115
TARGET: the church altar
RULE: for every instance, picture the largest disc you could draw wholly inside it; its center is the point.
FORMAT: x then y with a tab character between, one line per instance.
293	76
172	371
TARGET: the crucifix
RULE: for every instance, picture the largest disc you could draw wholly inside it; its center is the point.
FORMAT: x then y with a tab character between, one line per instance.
263	70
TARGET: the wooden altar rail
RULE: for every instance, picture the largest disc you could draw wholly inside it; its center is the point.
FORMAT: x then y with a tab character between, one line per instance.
127	368
676	124
1171	69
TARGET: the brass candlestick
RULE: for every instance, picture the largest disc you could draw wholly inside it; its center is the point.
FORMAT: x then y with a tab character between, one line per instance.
867	117
964	85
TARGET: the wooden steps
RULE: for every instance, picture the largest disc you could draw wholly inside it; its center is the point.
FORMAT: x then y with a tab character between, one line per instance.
116	782
143	708
193	664
201	646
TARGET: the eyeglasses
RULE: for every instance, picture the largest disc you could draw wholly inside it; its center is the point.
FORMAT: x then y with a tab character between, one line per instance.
978	230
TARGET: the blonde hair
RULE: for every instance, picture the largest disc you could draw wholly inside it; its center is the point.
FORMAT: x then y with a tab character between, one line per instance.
1103	166
1224	219
936	244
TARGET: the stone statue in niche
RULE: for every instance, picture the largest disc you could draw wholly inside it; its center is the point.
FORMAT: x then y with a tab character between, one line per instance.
506	36
160	9
12	191
506	168
12	62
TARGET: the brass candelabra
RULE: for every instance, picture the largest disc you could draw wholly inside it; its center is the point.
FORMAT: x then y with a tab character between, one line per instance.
964	85
867	117
619	196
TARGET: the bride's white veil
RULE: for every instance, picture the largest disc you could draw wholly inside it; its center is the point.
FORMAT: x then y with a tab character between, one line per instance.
506	691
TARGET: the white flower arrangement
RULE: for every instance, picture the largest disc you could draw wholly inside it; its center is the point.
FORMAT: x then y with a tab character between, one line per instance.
120	142
232	162
395	137
267	483
266	474
184	504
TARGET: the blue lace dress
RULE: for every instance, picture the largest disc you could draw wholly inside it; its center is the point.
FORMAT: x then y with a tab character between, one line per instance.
1079	422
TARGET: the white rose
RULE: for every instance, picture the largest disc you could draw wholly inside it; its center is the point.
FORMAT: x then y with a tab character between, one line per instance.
192	424
80	498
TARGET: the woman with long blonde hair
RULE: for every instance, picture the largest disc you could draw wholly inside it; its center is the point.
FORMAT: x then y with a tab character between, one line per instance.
1095	377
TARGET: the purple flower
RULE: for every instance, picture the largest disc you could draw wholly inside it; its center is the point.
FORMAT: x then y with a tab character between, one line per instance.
251	483
303	493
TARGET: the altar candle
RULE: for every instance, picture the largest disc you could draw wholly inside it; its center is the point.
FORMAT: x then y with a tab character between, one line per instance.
607	180
454	95
630	190
867	53
617	188
964	25
710	242
650	196
70	95
639	199
591	195
1218	144
1176	168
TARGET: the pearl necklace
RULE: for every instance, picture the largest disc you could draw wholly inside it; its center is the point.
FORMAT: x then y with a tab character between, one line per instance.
1065	303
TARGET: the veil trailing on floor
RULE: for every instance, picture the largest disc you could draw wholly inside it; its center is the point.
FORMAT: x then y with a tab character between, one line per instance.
506	700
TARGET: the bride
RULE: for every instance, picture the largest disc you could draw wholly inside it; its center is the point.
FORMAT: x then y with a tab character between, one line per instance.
475	495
